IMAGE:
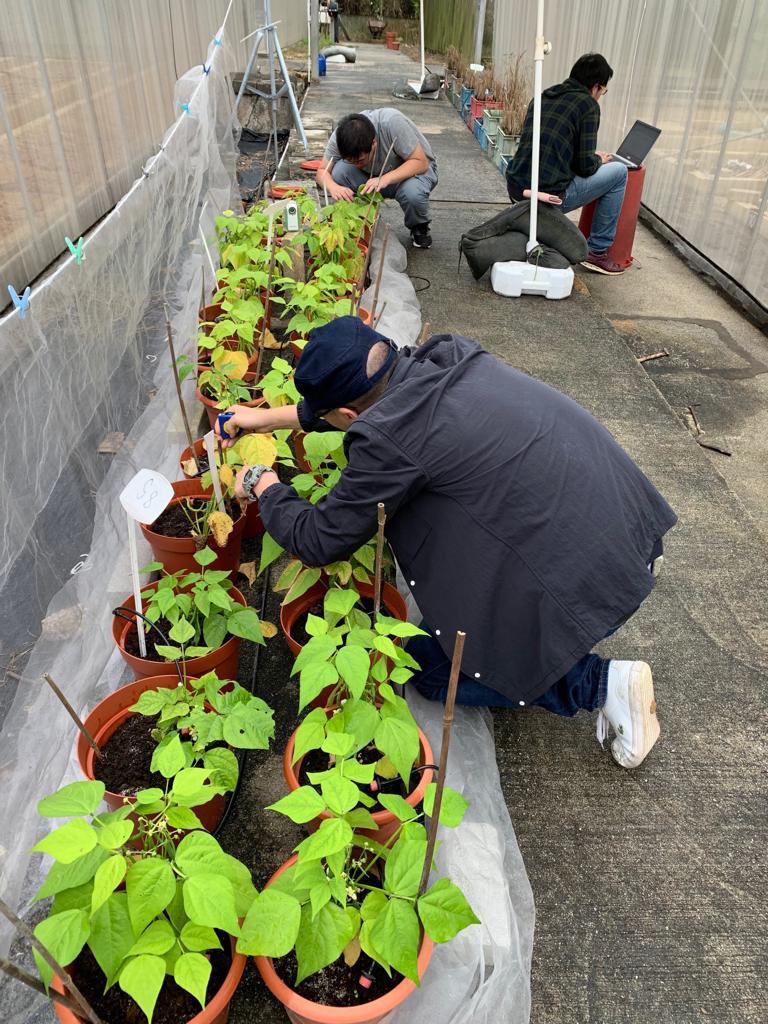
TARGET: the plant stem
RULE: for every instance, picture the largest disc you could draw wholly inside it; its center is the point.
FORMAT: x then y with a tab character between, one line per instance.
381	516
175	369
73	715
379	274
450	700
267	305
23	928
27	979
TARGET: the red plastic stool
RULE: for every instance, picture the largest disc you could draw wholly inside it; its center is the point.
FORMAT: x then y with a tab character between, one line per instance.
621	250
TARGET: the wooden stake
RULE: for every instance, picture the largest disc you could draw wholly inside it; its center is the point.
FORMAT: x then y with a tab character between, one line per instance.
450	700
361	280
380	272
380	314
84	1007
202	293
73	715
424	335
27	979
353	302
175	369
267	306
381	516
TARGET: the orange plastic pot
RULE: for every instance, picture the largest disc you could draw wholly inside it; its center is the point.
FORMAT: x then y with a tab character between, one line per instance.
254	527
304	1011
286	191
299	455
215	1012
107	716
391	601
222	661
386	822
211	408
177	553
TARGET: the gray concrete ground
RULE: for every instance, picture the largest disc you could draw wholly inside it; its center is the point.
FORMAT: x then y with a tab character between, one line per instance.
649	884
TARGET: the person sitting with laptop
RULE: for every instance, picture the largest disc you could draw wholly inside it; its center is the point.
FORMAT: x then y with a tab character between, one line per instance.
570	166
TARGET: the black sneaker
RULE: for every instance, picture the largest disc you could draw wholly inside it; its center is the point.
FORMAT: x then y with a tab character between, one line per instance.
421	237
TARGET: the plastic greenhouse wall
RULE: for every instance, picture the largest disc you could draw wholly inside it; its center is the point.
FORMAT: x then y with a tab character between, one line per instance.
698	69
86	92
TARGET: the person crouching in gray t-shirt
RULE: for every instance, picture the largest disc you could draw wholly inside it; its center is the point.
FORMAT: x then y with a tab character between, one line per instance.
383	151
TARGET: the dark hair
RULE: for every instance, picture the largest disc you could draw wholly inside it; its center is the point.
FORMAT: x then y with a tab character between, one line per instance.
355	135
592	69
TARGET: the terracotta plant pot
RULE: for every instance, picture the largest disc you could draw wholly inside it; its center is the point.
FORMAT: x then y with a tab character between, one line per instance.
254	527
105	719
216	1011
211	408
286	191
303	1011
177	552
299	455
222	661
386	822
391	601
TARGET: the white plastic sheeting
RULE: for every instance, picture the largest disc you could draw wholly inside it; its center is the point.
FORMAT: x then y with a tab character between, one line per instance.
398	313
86	93
698	70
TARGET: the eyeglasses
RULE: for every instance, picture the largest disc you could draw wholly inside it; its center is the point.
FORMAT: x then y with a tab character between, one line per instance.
603	89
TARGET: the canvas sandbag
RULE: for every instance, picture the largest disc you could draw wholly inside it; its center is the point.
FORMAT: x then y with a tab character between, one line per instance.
498	239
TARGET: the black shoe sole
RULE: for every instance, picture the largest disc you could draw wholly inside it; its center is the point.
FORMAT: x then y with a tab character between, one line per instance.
422	245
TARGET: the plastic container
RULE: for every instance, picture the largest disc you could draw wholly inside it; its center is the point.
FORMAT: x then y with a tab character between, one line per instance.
321	66
621	250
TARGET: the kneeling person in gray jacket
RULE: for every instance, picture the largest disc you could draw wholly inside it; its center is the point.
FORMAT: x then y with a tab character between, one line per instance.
513	515
383	151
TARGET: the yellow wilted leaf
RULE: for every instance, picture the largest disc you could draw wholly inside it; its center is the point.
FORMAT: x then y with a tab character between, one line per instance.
270	341
268	629
227	476
220	526
189	467
257	449
233	364
352	952
248	569
386	769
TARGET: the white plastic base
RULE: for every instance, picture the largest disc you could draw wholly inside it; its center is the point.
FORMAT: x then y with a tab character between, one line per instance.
515	279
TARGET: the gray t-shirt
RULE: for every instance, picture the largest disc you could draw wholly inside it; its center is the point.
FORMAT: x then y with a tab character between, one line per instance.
391	126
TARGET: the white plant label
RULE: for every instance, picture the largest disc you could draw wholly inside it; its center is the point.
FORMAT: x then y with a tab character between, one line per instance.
146	496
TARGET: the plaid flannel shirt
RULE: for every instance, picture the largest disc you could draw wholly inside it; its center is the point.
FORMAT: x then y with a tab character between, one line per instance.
570	118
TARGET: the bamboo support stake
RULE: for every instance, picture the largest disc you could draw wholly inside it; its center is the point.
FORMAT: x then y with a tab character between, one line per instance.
175	370
27	979
84	1007
353	302
381	516
450	700
73	715
379	272
381	314
361	279
424	334
267	307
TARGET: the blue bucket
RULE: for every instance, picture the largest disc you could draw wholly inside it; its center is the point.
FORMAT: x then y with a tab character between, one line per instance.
321	65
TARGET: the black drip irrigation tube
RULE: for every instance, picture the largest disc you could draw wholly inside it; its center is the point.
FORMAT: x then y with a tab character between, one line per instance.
130	615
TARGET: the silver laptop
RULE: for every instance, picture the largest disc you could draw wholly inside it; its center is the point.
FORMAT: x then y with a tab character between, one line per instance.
637	144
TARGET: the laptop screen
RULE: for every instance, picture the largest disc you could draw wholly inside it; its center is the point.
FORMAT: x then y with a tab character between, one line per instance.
637	145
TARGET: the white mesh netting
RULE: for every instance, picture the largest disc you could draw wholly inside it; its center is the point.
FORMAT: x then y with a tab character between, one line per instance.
91	358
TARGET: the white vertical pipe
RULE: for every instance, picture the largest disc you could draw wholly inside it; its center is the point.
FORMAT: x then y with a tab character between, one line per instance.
480	31
538	60
134	557
421	30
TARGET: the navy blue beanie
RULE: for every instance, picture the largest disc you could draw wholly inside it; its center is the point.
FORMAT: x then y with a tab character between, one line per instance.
332	369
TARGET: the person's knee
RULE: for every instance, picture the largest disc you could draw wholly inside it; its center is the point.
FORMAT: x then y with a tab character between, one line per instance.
619	174
344	173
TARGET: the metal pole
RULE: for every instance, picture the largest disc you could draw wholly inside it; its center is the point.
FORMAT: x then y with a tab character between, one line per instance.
314	40
421	33
291	97
272	80
538	60
248	69
479	32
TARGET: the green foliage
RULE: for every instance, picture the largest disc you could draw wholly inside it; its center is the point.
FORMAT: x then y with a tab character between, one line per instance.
176	891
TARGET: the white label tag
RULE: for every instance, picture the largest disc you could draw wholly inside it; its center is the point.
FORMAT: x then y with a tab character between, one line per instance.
146	496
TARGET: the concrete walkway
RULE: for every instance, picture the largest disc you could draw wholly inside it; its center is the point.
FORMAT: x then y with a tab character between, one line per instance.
650	885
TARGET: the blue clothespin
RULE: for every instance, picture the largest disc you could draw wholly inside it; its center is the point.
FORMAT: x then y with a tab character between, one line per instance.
76	250
216	41
184	107
206	70
223	418
22	304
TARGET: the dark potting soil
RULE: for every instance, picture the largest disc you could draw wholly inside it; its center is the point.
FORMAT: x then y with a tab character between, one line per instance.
173	1006
202	462
319	761
175	523
126	756
131	640
337	984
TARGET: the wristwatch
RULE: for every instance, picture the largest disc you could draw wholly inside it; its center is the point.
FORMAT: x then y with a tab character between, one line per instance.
251	477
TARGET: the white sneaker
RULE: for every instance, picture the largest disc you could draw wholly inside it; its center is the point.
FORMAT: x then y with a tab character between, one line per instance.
630	710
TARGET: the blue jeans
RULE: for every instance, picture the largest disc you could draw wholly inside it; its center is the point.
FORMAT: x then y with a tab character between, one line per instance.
412	194
607	185
583	688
